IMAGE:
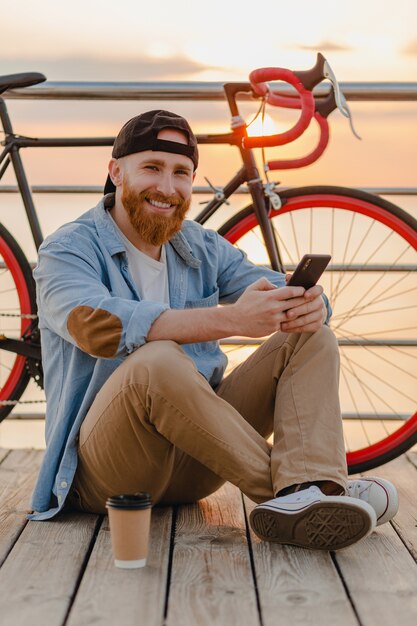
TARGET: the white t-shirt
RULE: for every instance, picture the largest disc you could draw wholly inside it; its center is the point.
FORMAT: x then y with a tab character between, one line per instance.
150	276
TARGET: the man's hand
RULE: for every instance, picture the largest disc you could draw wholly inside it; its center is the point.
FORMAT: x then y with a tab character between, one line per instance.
262	308
309	316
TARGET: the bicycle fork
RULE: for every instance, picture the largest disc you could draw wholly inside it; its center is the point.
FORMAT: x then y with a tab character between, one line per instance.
261	208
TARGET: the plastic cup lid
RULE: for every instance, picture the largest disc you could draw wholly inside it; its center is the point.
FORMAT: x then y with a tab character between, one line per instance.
141	500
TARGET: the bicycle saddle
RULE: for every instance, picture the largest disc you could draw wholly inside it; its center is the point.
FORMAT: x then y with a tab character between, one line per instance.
25	79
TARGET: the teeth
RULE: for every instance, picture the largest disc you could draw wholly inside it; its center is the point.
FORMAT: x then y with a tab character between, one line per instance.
160	205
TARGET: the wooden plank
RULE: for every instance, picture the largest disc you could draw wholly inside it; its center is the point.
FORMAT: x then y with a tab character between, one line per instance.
298	586
108	595
381	576
39	577
212	581
403	474
17	477
3	453
412	456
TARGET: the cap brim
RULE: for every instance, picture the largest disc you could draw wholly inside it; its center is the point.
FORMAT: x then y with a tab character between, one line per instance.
109	186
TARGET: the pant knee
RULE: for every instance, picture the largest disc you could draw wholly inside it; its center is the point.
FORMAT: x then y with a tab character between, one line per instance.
159	361
327	339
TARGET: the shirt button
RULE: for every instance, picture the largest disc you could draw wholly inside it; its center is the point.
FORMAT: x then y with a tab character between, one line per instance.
64	484
59	499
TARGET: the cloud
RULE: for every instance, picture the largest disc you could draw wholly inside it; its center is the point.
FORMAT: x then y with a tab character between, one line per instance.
410	48
138	69
328	46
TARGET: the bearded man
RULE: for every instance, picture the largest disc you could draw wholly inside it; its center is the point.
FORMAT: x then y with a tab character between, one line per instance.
137	400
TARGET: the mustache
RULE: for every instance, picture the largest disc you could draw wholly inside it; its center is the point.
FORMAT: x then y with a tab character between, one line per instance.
156	197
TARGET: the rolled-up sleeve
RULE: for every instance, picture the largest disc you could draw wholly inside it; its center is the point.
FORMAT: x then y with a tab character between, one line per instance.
75	303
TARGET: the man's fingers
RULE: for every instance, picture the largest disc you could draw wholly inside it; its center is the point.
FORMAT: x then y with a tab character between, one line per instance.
286	293
305	308
302	324
310	316
307	328
262	284
313	292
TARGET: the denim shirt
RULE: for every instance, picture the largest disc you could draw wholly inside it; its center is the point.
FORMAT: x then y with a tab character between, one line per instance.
83	266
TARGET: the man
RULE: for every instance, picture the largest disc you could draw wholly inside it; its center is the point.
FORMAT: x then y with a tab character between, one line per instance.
136	398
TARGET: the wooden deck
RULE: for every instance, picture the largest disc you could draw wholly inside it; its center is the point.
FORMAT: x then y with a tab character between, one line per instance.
205	566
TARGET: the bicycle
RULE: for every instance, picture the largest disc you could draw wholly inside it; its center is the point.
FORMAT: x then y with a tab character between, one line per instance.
373	245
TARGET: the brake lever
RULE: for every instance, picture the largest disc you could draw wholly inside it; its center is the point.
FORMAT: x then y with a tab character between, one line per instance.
341	102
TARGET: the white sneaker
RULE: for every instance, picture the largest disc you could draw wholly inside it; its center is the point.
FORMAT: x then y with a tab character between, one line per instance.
310	519
381	494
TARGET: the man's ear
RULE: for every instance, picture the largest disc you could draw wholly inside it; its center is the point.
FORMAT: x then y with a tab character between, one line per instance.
115	172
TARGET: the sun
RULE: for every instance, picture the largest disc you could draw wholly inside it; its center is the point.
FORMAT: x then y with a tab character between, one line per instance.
265	126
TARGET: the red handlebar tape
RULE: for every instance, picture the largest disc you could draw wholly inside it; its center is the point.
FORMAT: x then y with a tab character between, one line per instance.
306	103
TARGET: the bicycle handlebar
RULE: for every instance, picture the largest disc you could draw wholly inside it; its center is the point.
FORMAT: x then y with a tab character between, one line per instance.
323	108
303	82
286	164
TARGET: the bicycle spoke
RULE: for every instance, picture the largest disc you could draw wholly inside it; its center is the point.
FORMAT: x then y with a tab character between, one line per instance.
311	231
380	398
377	355
365	262
352	258
294	236
347	243
10	290
282	243
387	331
398	308
365	391
378	280
386	383
353	311
363	387
354	403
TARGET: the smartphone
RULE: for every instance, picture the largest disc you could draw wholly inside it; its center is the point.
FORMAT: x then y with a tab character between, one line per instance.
309	270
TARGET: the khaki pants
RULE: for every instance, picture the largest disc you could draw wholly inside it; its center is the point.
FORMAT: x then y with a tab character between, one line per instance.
158	426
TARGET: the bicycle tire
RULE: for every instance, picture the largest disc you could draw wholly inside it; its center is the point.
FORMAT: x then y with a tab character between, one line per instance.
17	287
393	357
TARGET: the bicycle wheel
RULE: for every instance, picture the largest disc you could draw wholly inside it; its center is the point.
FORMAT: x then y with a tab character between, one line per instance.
372	286
17	311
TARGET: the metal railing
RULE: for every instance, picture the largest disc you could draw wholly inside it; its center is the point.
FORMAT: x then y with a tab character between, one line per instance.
98	189
197	91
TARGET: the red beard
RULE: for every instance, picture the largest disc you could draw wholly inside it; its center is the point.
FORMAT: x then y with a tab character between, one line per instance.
153	228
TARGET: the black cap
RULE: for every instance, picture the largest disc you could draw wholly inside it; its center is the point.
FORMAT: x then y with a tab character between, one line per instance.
141	133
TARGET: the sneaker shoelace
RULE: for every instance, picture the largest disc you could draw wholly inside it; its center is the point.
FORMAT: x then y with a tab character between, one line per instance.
356	490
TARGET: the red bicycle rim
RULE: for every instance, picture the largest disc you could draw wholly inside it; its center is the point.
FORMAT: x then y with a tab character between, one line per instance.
25	308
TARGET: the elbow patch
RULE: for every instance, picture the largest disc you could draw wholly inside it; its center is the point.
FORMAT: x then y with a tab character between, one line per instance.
96	331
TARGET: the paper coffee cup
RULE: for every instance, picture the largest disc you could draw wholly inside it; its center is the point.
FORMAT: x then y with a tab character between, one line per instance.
129	519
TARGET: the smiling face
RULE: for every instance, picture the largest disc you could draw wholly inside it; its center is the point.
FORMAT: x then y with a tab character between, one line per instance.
155	189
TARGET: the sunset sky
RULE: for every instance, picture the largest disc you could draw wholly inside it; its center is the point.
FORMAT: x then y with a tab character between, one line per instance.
103	40
187	39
